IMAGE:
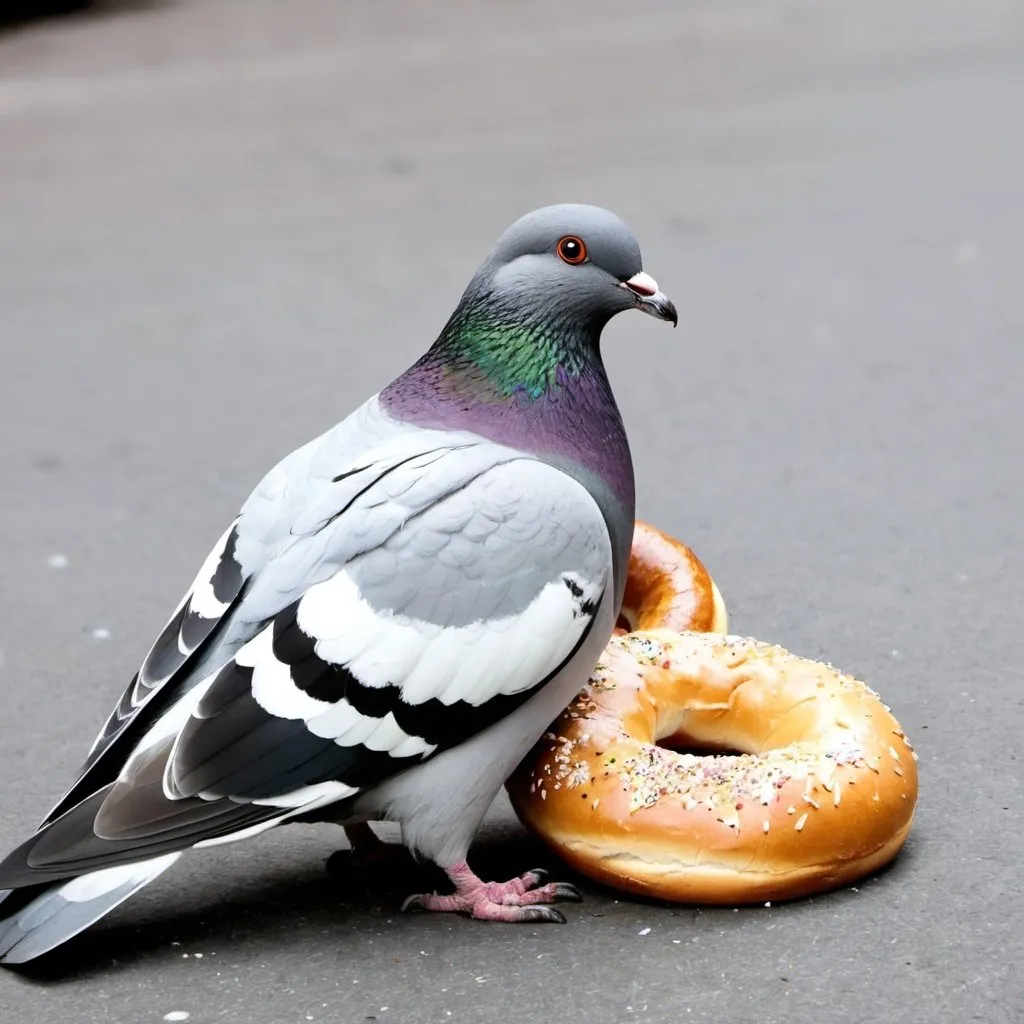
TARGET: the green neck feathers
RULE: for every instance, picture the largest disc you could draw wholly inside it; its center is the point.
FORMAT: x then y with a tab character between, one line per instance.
516	358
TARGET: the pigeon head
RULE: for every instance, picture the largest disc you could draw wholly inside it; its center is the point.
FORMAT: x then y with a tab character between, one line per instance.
572	264
519	359
530	321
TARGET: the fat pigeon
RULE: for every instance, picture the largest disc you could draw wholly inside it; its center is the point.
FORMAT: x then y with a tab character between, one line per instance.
398	611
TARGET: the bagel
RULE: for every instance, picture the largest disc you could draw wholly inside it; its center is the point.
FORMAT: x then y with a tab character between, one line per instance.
713	769
667	587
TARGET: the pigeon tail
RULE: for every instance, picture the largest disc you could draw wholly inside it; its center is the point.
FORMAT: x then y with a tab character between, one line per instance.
40	917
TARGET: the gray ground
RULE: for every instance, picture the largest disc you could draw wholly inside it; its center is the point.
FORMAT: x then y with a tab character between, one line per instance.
222	224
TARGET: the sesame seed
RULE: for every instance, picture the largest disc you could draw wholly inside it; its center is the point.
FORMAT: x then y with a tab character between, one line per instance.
800	822
767	825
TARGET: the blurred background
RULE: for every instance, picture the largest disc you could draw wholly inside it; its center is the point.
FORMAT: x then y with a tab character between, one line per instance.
224	223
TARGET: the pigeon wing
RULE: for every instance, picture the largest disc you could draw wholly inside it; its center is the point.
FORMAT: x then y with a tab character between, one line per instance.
434	595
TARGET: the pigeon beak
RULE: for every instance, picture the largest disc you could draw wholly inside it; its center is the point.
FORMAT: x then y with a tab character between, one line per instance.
650	299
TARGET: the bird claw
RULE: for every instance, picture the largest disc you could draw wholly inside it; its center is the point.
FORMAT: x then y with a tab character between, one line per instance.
484	909
522	899
541	913
567	892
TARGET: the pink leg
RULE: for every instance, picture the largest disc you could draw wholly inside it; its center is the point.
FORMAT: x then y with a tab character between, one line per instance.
520	899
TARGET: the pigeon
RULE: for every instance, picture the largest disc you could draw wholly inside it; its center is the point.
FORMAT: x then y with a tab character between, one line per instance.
399	610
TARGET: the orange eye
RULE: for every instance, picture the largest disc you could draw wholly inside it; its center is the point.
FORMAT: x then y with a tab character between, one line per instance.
571	249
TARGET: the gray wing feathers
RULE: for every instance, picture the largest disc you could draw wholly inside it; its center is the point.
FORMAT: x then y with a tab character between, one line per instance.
53	914
212	620
395	591
406	649
216	586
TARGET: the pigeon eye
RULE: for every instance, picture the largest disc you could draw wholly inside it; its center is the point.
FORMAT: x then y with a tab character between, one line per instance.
571	250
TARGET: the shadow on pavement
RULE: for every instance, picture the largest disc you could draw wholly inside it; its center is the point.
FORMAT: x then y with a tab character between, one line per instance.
343	901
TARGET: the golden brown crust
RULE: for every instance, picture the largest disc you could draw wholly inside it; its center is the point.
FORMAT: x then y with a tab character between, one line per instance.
820	791
668	587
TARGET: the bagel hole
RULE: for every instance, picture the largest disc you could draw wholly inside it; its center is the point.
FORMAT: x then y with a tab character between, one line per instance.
682	744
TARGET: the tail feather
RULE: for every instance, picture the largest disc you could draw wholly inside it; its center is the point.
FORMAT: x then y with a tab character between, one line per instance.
124	824
40	917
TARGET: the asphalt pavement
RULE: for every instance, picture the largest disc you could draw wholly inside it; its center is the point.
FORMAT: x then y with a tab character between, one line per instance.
224	224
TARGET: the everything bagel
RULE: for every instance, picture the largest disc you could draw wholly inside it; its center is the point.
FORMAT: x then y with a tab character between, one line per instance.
813	784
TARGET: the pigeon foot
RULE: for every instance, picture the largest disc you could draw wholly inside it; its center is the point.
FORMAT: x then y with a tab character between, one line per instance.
522	899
